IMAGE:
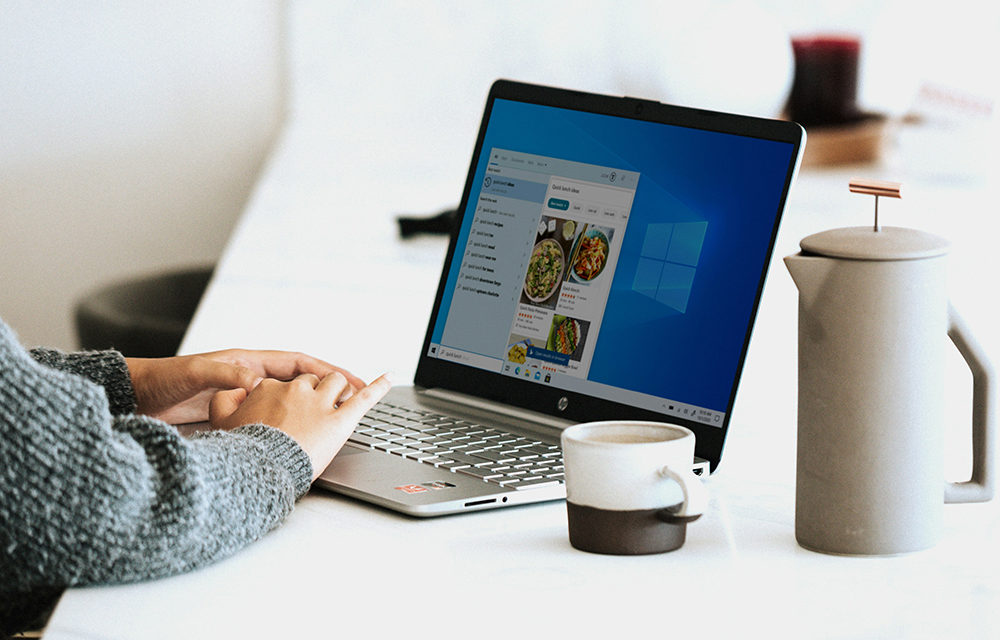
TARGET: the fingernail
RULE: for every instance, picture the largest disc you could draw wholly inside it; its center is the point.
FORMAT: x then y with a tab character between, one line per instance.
389	376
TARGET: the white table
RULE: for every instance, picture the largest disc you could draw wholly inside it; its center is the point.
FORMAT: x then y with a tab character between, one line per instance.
315	265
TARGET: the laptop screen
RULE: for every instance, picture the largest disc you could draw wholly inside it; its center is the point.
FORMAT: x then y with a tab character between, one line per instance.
617	259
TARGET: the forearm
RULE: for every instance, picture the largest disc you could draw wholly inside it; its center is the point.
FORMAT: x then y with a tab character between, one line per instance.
186	503
142	502
88	498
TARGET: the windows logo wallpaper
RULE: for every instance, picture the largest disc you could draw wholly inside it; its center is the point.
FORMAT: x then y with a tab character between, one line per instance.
668	262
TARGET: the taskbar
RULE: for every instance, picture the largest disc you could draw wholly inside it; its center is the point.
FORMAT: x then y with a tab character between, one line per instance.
541	373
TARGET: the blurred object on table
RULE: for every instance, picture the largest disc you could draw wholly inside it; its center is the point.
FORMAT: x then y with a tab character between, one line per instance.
950	133
825	88
435	224
824	99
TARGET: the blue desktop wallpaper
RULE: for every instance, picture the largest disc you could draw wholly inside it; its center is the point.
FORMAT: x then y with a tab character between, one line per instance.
677	313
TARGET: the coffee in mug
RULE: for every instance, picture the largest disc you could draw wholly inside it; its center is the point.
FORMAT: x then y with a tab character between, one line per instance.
629	486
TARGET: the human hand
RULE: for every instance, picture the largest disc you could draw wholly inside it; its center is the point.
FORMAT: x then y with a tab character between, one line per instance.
178	390
319	414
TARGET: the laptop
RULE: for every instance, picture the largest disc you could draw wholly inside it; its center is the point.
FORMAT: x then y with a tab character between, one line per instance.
606	262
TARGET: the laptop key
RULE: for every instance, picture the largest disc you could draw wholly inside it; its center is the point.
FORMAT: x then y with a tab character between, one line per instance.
422	446
463	458
504	481
437	450
362	439
419	456
478	472
405	452
495	456
541	449
435	432
436	421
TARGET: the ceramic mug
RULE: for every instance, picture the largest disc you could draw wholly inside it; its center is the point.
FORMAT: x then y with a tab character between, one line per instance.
629	486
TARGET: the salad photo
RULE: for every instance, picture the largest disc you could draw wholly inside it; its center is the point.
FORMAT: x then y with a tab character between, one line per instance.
567	336
545	269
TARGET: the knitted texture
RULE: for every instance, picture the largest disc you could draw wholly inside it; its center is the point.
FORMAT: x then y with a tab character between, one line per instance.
90	494
104	368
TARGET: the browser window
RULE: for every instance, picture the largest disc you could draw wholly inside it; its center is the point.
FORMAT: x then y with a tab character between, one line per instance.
538	265
572	261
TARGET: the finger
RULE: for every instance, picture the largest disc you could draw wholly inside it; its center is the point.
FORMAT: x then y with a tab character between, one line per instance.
279	363
284	365
215	374
308	378
361	402
336	387
355	381
348	389
224	404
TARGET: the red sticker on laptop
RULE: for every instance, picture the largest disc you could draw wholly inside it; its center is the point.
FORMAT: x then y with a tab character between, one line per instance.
411	488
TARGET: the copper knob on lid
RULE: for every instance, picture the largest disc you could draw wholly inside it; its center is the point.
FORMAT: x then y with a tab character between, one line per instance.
876	188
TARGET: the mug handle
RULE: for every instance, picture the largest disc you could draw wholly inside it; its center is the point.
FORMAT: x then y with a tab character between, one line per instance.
695	496
981	486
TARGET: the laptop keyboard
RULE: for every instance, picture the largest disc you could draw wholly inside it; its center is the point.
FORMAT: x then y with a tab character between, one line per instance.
492	455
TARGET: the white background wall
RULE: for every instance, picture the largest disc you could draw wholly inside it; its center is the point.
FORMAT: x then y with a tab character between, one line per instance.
130	135
131	131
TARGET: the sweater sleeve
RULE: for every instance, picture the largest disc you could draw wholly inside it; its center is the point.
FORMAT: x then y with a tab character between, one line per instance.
104	368
89	498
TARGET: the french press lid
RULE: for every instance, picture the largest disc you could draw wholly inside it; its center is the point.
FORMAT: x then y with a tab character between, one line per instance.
875	242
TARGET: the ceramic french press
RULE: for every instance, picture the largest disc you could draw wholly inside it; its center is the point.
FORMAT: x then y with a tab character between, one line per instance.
873	316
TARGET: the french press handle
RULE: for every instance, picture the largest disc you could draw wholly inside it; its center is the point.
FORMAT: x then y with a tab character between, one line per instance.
981	486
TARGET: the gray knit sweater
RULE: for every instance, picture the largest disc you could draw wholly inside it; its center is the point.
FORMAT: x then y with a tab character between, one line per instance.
92	494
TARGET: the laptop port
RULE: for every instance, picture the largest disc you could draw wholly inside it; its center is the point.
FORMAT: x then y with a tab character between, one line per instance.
480	502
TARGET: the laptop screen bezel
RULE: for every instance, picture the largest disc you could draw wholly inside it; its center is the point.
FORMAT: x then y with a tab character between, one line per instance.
438	373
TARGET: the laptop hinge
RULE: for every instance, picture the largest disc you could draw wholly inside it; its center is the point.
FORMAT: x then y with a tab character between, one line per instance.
701	466
496	407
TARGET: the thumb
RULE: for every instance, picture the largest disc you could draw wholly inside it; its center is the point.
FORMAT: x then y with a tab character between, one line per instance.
223	405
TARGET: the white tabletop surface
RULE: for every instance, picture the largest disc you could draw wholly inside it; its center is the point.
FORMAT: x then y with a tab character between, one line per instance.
316	265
